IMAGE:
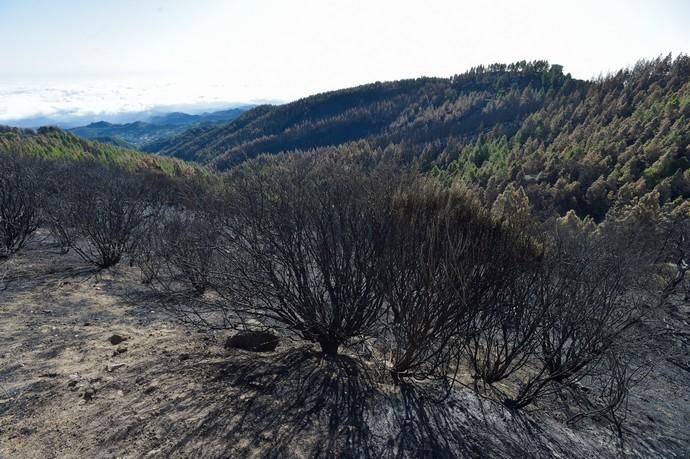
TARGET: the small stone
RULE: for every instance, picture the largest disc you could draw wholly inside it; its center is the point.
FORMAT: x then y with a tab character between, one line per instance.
116	339
184	357
111	368
119	350
89	393
255	341
50	374
150	389
254	325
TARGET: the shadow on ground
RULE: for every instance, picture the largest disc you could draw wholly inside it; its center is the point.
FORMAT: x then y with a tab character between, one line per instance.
301	404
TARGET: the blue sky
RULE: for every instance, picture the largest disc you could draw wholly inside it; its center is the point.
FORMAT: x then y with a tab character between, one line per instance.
106	56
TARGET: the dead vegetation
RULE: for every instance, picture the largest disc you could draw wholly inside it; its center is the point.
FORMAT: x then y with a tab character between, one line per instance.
444	329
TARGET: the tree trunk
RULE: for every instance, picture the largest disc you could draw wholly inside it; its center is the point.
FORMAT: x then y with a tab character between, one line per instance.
329	345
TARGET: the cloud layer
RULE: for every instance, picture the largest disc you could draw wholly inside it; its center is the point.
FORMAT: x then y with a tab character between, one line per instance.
73	103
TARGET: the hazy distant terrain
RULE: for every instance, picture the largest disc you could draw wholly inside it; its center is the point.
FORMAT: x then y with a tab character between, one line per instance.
138	134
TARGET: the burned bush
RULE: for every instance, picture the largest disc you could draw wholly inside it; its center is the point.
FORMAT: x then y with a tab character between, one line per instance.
303	245
335	247
447	261
102	212
20	202
179	251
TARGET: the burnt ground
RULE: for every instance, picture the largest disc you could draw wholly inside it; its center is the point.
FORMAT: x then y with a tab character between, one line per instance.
171	391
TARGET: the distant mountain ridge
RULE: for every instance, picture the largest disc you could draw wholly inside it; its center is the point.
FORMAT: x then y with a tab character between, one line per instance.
417	112
137	134
569	144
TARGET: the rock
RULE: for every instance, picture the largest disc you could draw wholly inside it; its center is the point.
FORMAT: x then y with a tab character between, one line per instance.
87	324
150	389
184	357
255	341
119	350
116	339
111	368
26	431
254	325
89	393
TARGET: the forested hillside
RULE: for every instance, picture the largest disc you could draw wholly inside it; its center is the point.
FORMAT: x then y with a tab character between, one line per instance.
571	144
56	144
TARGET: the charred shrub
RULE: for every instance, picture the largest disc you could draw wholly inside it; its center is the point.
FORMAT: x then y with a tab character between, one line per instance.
102	212
20	202
447	262
179	251
301	245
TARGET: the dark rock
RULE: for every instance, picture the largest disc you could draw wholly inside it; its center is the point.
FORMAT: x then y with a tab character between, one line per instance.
50	374
255	341
150	389
116	339
89	393
26	431
184	357
119	350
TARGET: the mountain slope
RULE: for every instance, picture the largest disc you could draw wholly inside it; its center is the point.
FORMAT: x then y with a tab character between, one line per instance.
54	143
571	144
421	110
612	142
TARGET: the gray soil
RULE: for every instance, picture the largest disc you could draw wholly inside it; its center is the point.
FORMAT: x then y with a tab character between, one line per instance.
170	391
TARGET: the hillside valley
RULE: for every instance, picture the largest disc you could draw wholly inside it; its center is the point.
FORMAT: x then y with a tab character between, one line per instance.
157	128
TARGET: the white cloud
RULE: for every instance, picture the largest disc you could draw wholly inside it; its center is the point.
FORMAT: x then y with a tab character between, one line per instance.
102	99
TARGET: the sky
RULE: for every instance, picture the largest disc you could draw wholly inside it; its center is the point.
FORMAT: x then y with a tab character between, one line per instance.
93	59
